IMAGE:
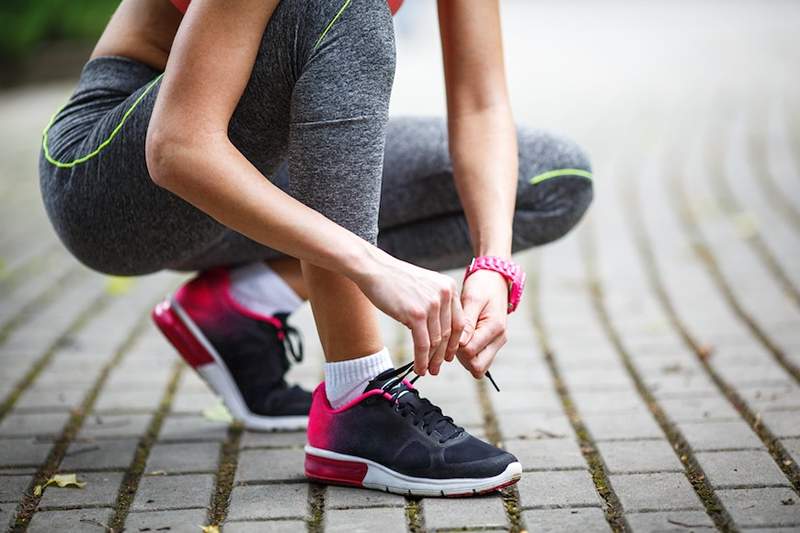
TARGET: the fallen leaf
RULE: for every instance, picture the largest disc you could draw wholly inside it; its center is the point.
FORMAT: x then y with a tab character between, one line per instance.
61	481
705	351
218	413
117	285
157	473
746	225
210	529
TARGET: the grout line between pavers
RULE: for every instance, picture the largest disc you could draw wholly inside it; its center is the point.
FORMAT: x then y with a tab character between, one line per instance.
692	469
225	475
758	154
730	206
316	508
508	495
612	510
701	247
654	277
29	503
135	472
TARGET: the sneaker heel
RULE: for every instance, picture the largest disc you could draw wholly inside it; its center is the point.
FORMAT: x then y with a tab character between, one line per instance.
335	470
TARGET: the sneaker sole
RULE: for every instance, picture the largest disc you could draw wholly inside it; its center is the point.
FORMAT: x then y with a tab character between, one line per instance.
200	354
341	469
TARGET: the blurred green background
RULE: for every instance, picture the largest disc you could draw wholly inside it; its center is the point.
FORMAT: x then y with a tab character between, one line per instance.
44	38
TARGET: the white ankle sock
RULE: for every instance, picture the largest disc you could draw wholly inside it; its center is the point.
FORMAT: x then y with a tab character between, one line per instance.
346	380
258	288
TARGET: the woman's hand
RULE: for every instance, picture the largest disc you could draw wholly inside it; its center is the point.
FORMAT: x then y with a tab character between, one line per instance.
423	300
485	300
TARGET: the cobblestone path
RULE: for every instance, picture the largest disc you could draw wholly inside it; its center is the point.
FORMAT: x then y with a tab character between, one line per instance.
652	378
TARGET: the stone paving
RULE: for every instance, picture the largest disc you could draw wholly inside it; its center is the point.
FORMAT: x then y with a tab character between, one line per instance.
651	378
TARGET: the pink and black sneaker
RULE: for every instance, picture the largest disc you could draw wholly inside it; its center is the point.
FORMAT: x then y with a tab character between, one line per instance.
242	355
391	439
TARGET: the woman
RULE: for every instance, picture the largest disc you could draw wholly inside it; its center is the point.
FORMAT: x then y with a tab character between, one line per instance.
249	140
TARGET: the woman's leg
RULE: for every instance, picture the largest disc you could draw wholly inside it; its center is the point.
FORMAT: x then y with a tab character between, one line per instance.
421	217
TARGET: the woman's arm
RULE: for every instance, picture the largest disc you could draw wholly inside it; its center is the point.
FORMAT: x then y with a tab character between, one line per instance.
483	147
190	154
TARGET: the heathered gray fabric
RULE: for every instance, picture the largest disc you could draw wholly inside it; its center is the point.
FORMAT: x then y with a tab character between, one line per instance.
314	120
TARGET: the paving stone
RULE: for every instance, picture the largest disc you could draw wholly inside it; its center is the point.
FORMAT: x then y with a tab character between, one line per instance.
101	489
83	520
23	452
184	457
33	424
263	465
761	507
41	397
670	521
485	511
641	492
697	409
13	487
557	488
177	521
391	520
639	456
628	426
337	497
782	423
735	434
585	520
192	428
547	454
193	401
275	439
114	426
100	453
793	447
534	425
127	400
173	492
253	502
6	515
751	467
271	526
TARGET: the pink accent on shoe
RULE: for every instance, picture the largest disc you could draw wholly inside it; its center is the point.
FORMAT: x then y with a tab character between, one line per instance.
335	470
204	294
320	418
179	335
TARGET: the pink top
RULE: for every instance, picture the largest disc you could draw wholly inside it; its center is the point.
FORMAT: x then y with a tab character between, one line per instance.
182	5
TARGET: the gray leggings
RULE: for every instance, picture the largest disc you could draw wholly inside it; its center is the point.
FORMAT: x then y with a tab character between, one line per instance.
314	120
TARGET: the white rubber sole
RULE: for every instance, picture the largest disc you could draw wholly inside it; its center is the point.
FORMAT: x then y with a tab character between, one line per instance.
379	477
218	378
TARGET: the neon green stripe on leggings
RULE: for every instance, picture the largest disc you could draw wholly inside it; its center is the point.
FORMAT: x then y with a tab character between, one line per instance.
117	128
331	23
560	172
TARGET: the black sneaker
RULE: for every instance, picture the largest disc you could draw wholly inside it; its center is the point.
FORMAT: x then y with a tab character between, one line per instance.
391	439
240	354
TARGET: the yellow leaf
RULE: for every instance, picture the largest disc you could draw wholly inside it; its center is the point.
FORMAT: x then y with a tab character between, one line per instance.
37	490
218	413
210	529
61	481
117	285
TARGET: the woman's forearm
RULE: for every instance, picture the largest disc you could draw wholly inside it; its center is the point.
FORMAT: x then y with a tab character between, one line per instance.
216	178
483	146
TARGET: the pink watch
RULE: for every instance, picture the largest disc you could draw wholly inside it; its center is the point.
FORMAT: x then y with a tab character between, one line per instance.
510	270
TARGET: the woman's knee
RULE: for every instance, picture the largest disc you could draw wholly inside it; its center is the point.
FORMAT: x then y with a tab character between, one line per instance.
555	188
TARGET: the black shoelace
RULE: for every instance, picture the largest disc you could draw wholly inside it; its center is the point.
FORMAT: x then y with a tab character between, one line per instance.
425	413
294	348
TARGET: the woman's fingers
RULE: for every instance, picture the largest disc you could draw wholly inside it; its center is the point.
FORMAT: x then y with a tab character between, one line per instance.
457	326
445	310
481	363
486	332
422	344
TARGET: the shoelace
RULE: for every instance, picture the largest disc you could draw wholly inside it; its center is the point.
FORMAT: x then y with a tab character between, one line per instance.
286	333
431	416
